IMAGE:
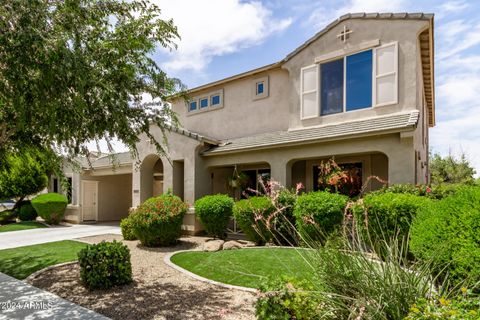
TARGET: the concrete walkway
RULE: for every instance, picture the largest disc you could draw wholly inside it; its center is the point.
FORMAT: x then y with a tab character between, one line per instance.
19	300
22	238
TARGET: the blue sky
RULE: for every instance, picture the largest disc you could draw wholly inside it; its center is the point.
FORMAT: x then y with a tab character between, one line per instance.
221	38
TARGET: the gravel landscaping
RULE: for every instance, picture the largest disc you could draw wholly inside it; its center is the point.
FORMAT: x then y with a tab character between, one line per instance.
158	291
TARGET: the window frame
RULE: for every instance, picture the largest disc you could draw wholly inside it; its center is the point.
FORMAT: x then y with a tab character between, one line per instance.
200	102
374	80
316	91
208	96
394	72
266	89
196	107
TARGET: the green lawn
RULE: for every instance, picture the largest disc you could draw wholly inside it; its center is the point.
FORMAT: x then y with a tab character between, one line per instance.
24	225
246	267
22	262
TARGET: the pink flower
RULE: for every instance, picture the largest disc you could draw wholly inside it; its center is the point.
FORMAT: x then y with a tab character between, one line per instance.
299	187
428	190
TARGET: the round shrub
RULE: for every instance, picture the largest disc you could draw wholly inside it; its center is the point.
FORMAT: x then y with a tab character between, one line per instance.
50	207
214	213
26	212
447	233
105	265
8	215
158	221
319	214
126	225
388	216
251	215
283	231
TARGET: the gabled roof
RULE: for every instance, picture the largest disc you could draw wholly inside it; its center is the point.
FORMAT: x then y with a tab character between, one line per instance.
109	160
378	125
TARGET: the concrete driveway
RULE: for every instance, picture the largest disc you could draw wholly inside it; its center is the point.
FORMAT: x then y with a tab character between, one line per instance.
22	238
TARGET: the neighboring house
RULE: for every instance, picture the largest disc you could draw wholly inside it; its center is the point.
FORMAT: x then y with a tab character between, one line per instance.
361	91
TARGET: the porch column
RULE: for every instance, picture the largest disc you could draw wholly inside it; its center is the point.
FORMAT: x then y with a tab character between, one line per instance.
135	186
281	171
401	164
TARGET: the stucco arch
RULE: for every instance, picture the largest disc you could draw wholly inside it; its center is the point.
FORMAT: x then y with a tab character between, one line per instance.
151	177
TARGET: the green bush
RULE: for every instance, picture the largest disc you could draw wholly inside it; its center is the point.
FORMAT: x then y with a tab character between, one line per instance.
448	233
319	214
105	265
439	191
50	207
26	212
214	212
126	225
282	298
8	215
251	215
283	231
460	307
158	221
388	216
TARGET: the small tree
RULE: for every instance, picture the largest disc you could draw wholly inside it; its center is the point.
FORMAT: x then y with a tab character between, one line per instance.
23	174
451	169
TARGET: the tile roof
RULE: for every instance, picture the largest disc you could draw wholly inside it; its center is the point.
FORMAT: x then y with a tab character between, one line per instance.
110	160
396	122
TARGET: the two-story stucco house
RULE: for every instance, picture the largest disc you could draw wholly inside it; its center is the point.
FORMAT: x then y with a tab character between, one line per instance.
361	90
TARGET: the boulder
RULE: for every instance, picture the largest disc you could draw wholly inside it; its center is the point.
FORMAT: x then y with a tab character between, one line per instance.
230	245
213	245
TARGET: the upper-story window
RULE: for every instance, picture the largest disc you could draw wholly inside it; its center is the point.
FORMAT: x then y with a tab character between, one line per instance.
261	88
210	101
192	106
357	81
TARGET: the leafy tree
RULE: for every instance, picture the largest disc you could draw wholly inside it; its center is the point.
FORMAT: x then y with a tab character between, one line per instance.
23	174
450	169
73	71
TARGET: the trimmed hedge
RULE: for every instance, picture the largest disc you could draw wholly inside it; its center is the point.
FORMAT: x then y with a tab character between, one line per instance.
105	265
251	214
319	214
8	215
50	207
214	212
158	221
126	226
26	212
284	232
388	216
439	191
447	232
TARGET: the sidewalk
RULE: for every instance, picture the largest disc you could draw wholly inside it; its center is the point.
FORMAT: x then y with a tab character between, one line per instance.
19	300
22	238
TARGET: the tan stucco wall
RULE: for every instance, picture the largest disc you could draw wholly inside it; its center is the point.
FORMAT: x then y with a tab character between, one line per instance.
404	31
241	115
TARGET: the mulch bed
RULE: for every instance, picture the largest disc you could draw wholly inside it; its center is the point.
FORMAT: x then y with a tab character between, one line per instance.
158	291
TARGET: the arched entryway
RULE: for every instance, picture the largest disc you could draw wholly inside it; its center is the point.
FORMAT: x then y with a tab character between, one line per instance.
151	177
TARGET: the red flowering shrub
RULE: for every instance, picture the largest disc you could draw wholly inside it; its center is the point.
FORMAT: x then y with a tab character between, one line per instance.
158	221
345	179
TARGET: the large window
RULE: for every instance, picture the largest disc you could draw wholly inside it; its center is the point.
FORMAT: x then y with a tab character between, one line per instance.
361	80
331	87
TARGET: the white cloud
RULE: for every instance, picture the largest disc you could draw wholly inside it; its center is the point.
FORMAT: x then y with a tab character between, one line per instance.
456	36
211	28
323	16
450	7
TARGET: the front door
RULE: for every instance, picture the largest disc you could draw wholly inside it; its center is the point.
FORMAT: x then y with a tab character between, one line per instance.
89	205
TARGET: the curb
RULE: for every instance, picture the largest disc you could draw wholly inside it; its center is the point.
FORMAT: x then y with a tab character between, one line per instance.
37	273
169	263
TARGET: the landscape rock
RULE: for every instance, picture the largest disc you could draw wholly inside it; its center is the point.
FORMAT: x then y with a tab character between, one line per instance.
230	245
213	245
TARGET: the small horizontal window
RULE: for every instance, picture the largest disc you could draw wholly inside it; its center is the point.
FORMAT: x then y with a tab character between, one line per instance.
192	106
203	103
215	100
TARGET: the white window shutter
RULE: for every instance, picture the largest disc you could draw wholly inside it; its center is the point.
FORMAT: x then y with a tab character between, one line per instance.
309	92
385	78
